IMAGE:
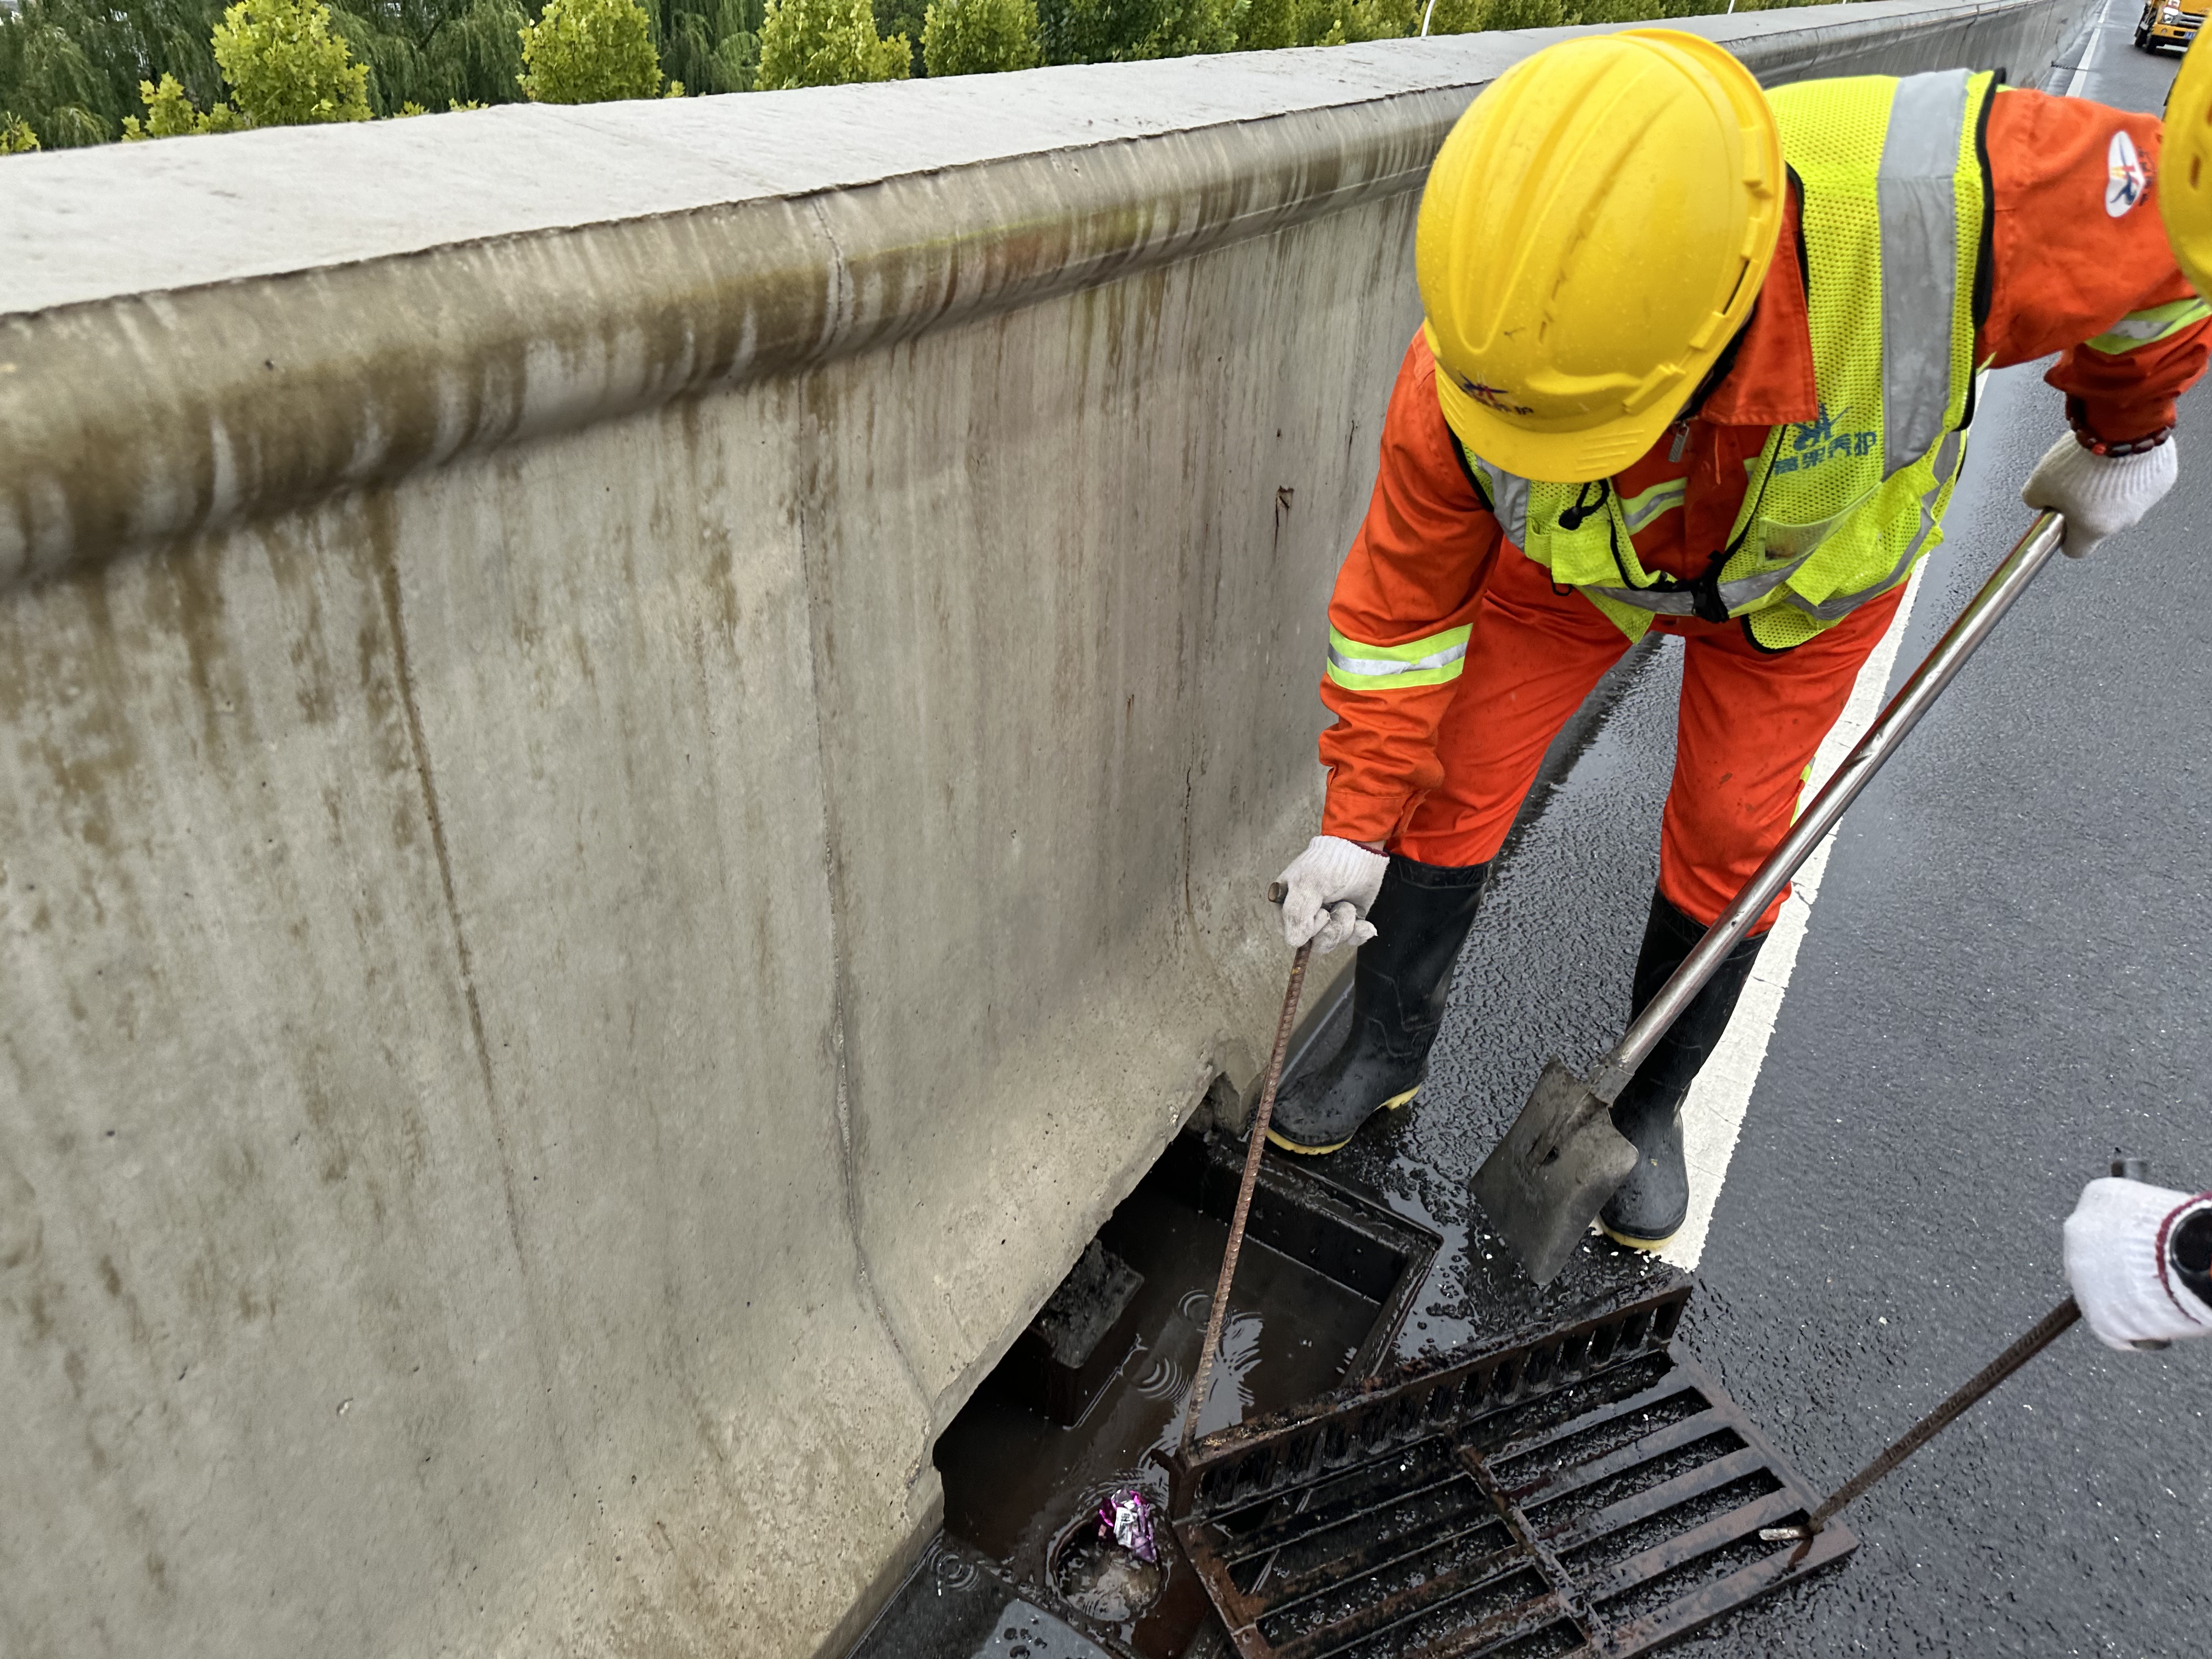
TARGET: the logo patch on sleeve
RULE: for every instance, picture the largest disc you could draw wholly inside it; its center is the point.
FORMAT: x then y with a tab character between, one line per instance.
2125	177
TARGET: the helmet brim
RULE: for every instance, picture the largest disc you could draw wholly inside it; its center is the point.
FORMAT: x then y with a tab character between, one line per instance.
1551	457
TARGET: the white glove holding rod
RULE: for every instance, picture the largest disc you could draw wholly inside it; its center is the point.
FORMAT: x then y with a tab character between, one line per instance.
2122	1262
2101	495
1327	891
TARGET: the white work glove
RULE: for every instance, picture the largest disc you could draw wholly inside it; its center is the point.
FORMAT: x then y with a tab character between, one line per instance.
1328	889
2099	494
2117	1261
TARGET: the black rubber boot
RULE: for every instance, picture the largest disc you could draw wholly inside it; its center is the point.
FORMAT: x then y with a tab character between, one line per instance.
1649	1207
1399	985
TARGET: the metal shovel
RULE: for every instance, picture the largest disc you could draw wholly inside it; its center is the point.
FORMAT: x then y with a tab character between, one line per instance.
1544	1183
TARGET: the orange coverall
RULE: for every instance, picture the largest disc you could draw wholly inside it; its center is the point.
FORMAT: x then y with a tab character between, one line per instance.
1436	773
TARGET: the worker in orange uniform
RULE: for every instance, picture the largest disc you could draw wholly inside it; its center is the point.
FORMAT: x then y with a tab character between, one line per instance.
1697	359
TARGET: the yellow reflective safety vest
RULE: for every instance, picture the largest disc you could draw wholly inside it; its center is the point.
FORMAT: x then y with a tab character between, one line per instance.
1837	510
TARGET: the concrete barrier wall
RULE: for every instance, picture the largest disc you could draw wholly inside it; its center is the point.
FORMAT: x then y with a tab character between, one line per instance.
636	745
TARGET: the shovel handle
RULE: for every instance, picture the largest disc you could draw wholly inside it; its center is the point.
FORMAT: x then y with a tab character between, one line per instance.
1913	699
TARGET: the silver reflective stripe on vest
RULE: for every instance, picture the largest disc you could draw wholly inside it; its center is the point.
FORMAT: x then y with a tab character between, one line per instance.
1842	605
1745	590
1917	194
1509	499
1660	498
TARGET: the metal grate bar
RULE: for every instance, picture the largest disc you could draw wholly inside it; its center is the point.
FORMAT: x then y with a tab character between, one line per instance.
1562	1483
1722	1529
1473	1644
1410	1603
1708	1603
1229	1469
1271	1535
1546	1559
1349	1501
1292	1589
1691	1483
1643	1400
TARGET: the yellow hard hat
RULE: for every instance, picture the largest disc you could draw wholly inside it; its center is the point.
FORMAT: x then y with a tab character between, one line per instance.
2184	169
1594	233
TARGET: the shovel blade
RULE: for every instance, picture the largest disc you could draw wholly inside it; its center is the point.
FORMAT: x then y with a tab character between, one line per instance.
1544	1184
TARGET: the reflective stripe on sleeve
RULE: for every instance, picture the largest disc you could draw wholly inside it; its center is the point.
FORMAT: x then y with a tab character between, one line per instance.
2143	328
1431	661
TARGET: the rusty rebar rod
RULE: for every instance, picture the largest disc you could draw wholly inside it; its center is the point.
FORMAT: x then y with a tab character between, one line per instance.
1220	1308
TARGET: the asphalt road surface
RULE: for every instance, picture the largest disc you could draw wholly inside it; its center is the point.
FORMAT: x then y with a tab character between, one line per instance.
2006	975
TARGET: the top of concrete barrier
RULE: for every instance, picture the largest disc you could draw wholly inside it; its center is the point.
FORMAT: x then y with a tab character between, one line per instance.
89	224
195	331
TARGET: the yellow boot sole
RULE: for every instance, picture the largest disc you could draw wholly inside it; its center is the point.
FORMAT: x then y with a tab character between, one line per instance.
1389	1105
1631	1242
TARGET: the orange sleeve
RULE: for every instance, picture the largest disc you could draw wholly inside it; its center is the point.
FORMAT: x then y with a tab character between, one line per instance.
2078	248
1416	569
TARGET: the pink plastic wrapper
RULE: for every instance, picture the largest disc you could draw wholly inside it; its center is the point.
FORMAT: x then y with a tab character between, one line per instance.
1127	1518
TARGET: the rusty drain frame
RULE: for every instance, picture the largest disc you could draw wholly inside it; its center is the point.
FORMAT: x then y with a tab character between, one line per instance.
1240	1496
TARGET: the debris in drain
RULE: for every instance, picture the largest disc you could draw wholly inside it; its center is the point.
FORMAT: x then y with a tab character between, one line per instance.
1127	1520
1081	1336
1326	1276
1097	1572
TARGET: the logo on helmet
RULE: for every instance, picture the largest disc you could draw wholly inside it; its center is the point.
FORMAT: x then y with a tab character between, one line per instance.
2126	178
1490	396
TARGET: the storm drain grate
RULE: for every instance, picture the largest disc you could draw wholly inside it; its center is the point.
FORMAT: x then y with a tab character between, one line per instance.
1586	1492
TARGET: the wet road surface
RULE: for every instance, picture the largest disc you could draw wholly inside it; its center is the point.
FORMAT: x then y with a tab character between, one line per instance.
2006	977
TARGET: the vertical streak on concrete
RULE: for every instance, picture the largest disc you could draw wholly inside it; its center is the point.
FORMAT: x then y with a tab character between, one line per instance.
822	646
384	549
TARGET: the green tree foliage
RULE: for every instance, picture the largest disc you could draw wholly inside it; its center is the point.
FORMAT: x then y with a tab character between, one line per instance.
16	137
1337	22
171	114
827	43
434	54
907	17
980	36
79	71
1125	31
69	69
285	67
1455	17
710	46
1267	25
590	51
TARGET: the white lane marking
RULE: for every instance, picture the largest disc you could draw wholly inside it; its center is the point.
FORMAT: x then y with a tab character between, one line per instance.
2089	52
1712	1117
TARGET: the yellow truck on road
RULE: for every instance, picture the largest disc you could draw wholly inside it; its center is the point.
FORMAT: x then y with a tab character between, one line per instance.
2168	23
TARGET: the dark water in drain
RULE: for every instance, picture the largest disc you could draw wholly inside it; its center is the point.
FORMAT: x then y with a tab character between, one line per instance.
1015	1483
